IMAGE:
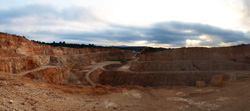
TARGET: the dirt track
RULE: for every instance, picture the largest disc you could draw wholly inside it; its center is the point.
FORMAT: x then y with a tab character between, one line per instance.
36	69
97	66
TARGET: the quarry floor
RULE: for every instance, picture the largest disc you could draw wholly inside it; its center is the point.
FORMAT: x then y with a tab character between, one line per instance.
20	93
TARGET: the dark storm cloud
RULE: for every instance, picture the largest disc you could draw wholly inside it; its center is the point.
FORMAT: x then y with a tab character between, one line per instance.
116	35
175	32
201	29
163	33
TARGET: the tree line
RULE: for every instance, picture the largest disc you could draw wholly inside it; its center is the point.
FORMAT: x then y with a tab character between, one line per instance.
64	44
74	45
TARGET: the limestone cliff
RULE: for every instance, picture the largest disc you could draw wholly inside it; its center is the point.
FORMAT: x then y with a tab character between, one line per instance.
115	78
22	56
22	63
12	45
54	75
224	58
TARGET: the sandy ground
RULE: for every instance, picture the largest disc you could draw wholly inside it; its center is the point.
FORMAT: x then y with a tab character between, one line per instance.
19	93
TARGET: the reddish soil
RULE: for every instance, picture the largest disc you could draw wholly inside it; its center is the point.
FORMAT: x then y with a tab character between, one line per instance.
21	93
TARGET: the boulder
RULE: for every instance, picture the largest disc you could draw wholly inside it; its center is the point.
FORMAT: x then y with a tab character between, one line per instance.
217	80
200	84
11	101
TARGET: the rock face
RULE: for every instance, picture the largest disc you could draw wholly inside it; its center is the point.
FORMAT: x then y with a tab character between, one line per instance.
200	84
226	58
153	79
217	80
54	75
234	53
184	66
22	63
19	55
188	65
14	46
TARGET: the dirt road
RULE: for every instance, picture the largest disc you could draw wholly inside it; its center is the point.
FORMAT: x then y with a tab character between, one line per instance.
97	66
34	70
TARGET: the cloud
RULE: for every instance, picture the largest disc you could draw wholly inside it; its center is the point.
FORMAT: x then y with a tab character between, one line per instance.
37	17
74	23
175	33
8	15
246	14
197	29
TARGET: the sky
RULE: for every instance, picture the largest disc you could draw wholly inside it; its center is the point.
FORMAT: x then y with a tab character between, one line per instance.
155	23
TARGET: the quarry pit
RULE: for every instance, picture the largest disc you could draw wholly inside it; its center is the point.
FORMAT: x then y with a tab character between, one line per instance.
111	66
101	78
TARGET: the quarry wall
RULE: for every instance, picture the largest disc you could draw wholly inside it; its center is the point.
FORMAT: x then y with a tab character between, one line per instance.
22	63
203	59
53	75
14	45
235	53
153	79
19	54
188	65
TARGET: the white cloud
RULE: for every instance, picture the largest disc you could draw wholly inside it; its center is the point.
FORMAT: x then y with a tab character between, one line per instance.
192	43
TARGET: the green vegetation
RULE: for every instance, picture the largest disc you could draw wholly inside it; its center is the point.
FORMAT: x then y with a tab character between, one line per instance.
136	48
151	49
71	45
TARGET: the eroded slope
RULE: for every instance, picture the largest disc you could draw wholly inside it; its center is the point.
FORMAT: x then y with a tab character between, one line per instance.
52	64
